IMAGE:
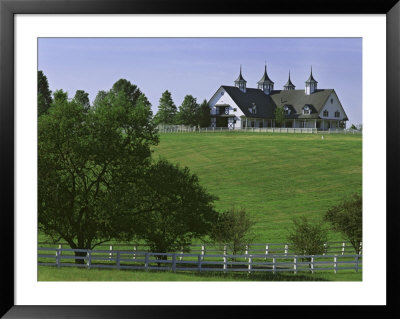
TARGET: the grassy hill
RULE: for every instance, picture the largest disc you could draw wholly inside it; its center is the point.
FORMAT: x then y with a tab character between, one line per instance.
274	176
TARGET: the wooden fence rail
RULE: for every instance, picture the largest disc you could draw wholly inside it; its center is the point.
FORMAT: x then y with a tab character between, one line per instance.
128	259
332	248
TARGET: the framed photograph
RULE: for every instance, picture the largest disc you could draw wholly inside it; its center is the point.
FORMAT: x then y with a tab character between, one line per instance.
37	31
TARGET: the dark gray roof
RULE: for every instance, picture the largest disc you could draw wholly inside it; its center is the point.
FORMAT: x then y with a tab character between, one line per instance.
266	104
265	77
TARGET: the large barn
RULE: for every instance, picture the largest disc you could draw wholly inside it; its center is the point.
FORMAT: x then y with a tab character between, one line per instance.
239	107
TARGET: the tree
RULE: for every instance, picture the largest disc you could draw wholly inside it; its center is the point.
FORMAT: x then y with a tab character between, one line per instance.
346	218
177	207
100	97
166	110
307	238
82	98
189	111
89	165
234	228
204	114
279	116
353	127
44	94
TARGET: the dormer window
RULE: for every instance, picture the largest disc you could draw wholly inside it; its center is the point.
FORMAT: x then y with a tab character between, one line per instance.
306	110
337	114
326	113
253	109
287	110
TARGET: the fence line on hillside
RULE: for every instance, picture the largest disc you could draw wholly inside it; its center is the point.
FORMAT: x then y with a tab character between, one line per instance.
194	129
196	262
337	247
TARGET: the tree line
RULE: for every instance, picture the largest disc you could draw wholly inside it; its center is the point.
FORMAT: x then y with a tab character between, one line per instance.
98	181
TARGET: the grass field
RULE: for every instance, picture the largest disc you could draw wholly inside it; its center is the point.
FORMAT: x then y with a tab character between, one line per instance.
274	176
78	274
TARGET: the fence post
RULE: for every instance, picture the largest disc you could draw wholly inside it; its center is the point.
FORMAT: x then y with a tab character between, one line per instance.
134	252
356	263
325	249
312	264
111	248
295	264
89	258
343	246
225	263
174	262
203	249
250	264
181	257
266	250
58	257
199	259
274	265
146	261
360	249
118	260
335	264
246	252
59	247
286	249
224	249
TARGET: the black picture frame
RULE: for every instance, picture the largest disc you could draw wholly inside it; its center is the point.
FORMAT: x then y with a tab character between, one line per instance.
8	10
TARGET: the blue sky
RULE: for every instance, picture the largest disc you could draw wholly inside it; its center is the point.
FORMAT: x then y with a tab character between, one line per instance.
198	66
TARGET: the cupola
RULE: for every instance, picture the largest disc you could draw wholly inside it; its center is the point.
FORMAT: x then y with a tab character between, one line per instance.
265	84
311	84
240	82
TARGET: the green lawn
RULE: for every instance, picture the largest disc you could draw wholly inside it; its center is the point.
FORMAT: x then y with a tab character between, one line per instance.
274	176
78	274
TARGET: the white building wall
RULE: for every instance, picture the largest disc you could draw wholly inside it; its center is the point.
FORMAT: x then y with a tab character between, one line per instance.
222	97
332	105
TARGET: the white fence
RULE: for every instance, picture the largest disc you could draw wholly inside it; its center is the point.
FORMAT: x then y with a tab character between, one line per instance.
332	248
123	259
192	129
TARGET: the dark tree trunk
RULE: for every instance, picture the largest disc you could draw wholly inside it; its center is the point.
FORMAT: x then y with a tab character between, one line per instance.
79	260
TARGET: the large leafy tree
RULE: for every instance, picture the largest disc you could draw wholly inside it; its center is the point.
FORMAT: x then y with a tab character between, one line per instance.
346	218
177	208
82	98
204	115
189	111
89	164
166	110
44	94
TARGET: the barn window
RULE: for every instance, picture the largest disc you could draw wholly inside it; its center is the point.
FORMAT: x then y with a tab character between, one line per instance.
331	101
306	110
337	114
326	113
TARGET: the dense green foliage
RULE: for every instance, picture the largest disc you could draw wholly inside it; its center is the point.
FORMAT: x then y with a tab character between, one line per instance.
204	114
167	110
82	98
274	176
346	218
88	164
181	209
189	111
279	116
307	238
234	229
44	98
